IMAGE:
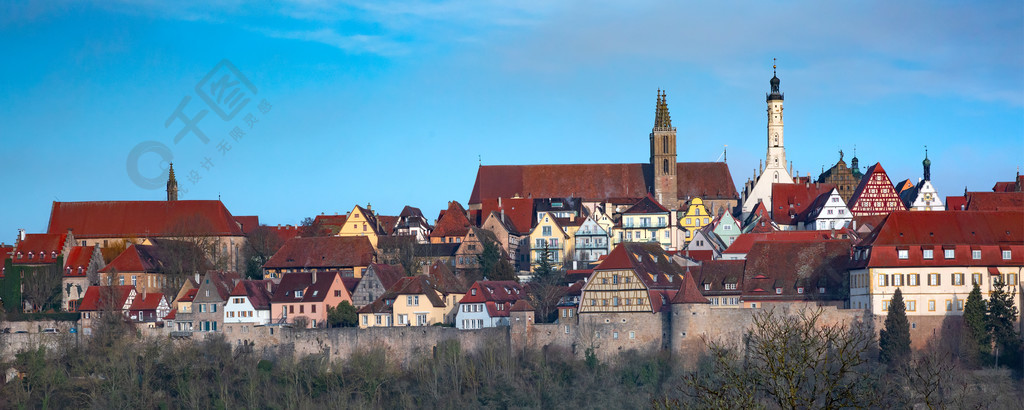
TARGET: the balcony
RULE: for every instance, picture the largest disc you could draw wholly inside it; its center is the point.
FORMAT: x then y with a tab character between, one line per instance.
591	245
548	246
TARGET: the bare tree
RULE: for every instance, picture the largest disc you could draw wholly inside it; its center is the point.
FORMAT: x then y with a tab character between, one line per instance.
261	244
41	285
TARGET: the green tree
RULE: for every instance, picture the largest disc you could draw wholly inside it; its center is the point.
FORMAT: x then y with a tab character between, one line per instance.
546	288
974	323
894	340
504	271
1000	318
489	257
342	316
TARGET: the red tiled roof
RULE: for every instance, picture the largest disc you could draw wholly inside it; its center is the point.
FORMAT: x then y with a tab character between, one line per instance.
745	242
518	212
995	201
790	200
716	274
323	252
522	305
95	296
331	223
688	292
43	248
387	223
149	301
761	220
452	223
256	291
172	315
1011	186
139	219
598	181
646	205
493	293
388	274
154	258
648	260
351	284
79	257
790	266
312	291
956	203
284	232
190	295
248	223
699	255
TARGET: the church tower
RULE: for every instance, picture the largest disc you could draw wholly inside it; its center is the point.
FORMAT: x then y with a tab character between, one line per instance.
663	155
172	185
773	171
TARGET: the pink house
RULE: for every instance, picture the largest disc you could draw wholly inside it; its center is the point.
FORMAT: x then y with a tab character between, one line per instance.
307	295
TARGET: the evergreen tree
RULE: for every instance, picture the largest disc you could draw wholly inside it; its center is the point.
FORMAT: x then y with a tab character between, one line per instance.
504	271
489	257
894	340
974	323
342	316
999	326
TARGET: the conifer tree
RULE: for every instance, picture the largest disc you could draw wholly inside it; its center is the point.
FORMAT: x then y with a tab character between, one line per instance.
894	340
974	323
1000	318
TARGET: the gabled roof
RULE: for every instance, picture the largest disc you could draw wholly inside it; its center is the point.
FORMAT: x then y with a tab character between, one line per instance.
648	260
190	295
745	242
522	305
248	223
330	223
452	223
323	253
387	223
312	291
1011	186
903	185
492	293
44	248
256	291
222	282
956	203
716	274
790	266
995	201
388	274
148	301
444	279
759	220
791	200
518	212
158	257
79	257
417	285
885	193
595	182
95	297
373	222
646	205
139	219
949	228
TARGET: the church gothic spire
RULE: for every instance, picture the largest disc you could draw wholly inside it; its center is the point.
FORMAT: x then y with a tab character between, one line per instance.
172	185
663	155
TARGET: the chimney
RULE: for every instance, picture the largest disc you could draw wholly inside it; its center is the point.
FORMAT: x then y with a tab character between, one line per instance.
502	215
197	278
499	202
270	287
21	235
313	274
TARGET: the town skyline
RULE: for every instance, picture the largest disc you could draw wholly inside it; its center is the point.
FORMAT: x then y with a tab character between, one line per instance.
379	104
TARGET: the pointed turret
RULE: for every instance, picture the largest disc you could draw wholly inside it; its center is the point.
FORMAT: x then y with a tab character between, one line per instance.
775	94
172	185
855	164
662	120
927	166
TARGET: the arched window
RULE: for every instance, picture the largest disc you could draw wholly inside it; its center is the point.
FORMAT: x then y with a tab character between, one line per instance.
664	163
664	144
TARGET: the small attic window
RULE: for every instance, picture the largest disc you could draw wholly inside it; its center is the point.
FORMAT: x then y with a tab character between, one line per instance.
778	291
31	255
707	286
472	291
800	289
315	292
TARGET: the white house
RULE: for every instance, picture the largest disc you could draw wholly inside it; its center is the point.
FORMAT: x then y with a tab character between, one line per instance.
827	212
487	304
248	306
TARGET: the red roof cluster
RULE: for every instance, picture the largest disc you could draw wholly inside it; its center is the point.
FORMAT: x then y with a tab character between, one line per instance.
916	233
452	223
597	181
518	212
493	293
745	242
792	200
143	219
77	263
40	248
96	297
327	252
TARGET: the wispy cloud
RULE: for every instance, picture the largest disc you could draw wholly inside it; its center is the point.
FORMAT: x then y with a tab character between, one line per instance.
356	43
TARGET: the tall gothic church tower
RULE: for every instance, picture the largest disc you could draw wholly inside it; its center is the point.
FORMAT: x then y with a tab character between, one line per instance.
774	169
172	185
663	155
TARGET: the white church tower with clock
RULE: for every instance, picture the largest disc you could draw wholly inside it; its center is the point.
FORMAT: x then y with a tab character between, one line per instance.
773	171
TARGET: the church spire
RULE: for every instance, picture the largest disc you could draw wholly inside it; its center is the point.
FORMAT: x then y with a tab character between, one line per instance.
662	120
927	165
172	185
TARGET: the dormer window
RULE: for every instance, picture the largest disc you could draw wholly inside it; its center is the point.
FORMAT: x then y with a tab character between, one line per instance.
821	290
472	291
707	286
778	291
903	254
298	293
928	253
800	290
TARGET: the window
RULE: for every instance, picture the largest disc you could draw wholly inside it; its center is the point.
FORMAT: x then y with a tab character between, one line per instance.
730	286
134	280
379	318
202	308
312	308
975	254
778	291
707	286
883	280
403	319
897	280
1006	255
913	279
632	335
960	304
927	253
949	254
885	305
949	305
615	301
958	279
821	290
1011	279
291	309
934	279
931	305
337	293
911	305
546	231
302	308
800	290
976	279
903	253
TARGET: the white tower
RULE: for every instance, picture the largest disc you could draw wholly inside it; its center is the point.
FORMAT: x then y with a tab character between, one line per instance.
774	169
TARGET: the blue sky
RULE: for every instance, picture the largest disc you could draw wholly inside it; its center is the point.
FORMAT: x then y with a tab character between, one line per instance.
394	103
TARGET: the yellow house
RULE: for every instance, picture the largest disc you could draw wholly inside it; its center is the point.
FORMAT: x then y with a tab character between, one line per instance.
553	235
362	222
696	217
645	221
412	301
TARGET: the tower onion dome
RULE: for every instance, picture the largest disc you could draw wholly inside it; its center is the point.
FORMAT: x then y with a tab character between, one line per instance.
775	94
927	166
